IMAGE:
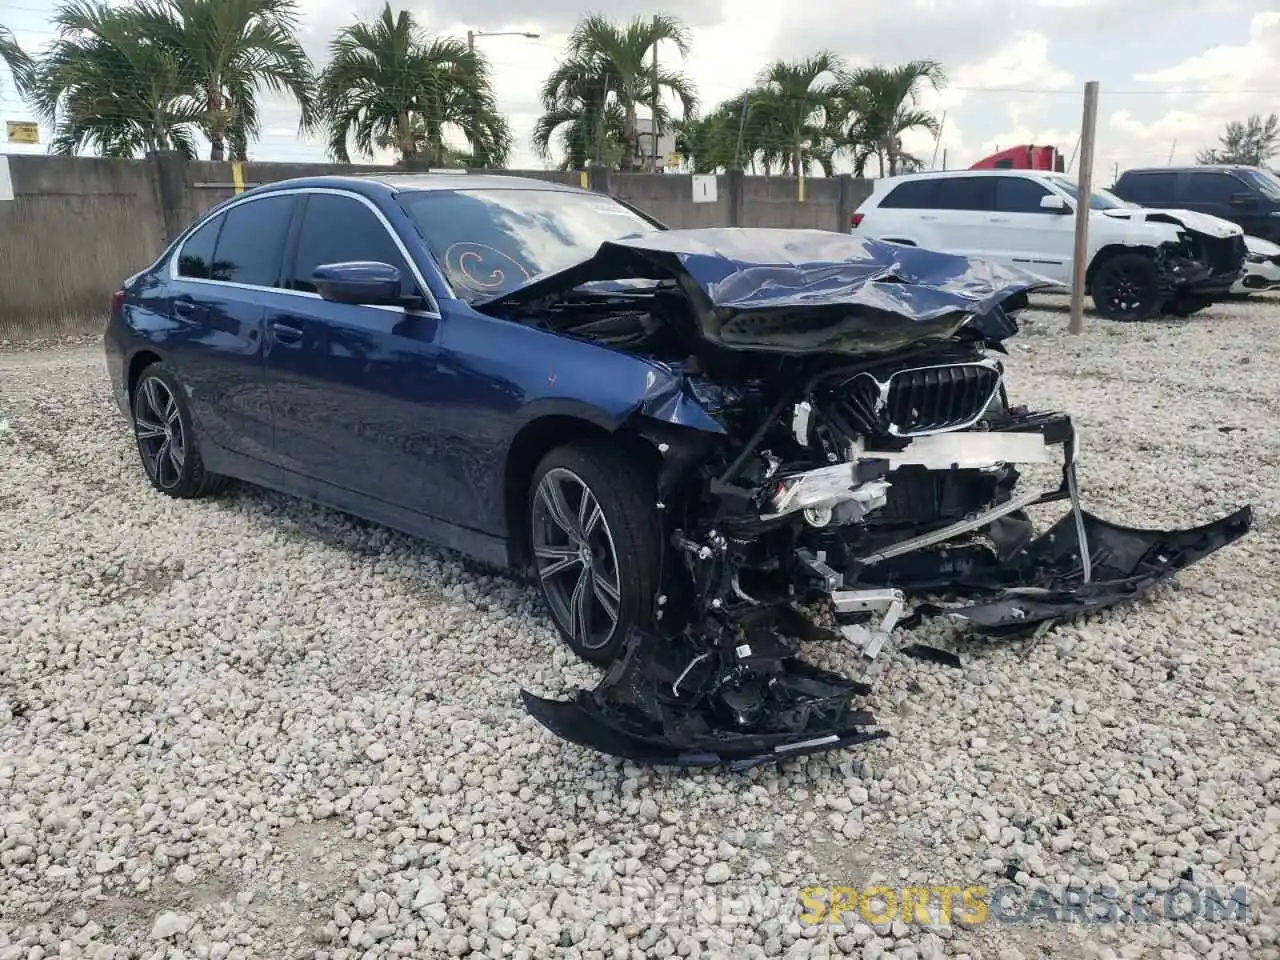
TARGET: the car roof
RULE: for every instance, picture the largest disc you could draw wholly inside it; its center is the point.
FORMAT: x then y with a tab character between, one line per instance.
388	183
885	183
942	174
1197	168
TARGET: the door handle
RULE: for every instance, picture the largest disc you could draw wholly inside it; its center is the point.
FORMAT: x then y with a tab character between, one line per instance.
184	306
285	333
928	218
999	220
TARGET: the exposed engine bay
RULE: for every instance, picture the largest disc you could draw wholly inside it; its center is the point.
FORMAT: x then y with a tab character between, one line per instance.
860	453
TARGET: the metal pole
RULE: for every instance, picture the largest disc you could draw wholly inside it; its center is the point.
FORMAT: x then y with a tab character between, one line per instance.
653	158
742	126
471	41
1084	191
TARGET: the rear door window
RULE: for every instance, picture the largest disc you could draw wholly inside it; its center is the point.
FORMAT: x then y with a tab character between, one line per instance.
911	195
965	193
1148	187
251	245
195	261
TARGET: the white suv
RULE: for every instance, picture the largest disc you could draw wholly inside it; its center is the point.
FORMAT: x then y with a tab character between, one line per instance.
1141	262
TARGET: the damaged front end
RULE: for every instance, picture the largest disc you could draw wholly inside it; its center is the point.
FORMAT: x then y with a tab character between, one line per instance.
1198	268
866	454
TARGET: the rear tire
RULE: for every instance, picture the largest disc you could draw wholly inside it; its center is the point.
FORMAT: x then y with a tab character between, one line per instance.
164	431
595	539
1127	288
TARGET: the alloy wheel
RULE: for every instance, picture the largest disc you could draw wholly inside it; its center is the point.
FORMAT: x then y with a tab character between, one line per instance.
575	558
157	424
1123	292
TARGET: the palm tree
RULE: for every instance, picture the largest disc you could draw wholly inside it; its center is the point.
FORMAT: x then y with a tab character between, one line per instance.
591	98
794	100
16	59
708	144
105	85
234	49
388	85
886	100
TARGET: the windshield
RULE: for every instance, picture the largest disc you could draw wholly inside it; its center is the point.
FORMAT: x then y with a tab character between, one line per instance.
490	242
1098	199
1266	183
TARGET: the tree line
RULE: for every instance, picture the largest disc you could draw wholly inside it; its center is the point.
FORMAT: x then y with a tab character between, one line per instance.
124	79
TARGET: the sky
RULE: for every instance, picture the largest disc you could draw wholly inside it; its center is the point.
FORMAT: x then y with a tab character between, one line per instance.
1170	72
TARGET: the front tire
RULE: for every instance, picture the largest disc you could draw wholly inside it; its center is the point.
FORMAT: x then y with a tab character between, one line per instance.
595	540
164	431
1127	288
1185	306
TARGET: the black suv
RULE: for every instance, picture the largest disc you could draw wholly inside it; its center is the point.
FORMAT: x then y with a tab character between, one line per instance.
1248	196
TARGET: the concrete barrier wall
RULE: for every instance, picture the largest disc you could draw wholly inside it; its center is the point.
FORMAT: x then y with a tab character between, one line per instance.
76	227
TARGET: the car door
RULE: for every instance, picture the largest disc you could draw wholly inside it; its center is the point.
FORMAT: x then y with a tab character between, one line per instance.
1026	235
962	208
220	275
1221	194
352	386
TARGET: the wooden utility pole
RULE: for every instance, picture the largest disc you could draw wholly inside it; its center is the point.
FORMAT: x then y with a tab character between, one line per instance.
1084	192
653	155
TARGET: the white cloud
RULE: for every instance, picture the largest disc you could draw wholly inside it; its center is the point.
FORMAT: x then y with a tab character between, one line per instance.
1023	64
1226	81
1228	64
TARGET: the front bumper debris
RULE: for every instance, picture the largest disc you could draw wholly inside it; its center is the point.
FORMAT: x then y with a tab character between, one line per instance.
1083	564
687	701
1049	581
730	690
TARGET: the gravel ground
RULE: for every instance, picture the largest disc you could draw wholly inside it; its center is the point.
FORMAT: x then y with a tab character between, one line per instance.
250	727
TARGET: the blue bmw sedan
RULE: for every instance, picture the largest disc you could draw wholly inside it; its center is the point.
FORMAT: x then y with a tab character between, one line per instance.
317	336
654	425
676	434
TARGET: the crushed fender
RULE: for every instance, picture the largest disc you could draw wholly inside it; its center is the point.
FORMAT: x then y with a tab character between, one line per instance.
700	698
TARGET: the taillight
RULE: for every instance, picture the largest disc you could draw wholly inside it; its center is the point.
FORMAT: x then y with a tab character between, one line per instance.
856	219
117	300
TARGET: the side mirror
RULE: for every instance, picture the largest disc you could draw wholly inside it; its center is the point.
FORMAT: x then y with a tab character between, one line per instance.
363	282
1054	203
1243	200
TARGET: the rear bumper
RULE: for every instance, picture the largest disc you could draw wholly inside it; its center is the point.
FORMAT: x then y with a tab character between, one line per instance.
116	372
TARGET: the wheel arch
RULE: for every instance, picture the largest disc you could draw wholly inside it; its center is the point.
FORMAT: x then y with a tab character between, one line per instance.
137	363
535	439
1110	252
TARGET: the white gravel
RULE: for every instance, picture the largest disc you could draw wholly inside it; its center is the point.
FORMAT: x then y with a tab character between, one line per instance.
254	728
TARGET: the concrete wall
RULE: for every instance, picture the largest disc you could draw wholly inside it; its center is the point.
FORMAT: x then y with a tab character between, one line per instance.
77	227
74	229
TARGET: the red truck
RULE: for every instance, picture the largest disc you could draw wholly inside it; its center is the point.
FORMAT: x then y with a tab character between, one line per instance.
1023	157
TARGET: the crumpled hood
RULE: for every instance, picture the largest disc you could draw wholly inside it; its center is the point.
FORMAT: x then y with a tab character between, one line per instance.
799	291
1190	219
